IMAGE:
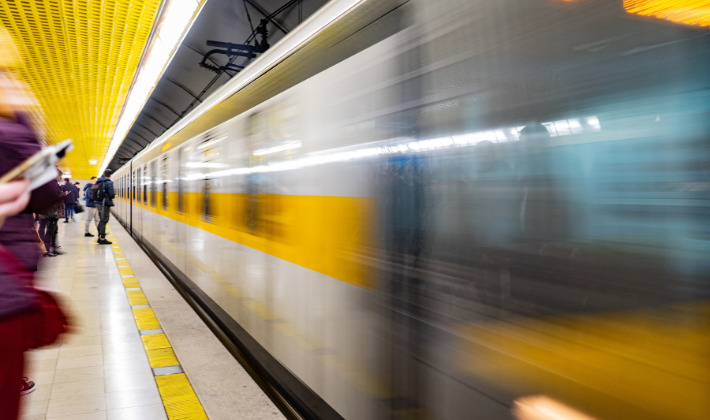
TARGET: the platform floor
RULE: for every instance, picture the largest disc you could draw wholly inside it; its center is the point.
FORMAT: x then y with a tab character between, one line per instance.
138	351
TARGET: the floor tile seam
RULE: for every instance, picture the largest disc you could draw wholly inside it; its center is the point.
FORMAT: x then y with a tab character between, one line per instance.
168	398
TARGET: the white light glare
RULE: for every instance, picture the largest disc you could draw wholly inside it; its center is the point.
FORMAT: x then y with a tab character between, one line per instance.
334	155
275	149
206	165
208	144
93	162
176	20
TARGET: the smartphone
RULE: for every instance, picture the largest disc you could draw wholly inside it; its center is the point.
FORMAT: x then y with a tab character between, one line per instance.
41	167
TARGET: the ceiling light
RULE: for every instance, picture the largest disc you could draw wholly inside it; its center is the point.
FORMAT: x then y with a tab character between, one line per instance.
175	22
319	21
93	162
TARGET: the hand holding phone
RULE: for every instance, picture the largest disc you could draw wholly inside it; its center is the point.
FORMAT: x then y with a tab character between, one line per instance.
40	168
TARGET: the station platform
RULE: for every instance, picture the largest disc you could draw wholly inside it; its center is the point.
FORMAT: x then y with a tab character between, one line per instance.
138	350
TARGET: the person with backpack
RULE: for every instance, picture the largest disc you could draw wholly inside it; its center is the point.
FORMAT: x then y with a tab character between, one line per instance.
91	212
102	195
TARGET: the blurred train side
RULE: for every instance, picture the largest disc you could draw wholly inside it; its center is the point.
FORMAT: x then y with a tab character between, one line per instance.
499	200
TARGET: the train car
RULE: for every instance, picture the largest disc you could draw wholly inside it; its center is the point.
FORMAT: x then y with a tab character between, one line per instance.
439	209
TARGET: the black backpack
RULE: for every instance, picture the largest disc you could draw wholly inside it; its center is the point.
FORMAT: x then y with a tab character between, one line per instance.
98	192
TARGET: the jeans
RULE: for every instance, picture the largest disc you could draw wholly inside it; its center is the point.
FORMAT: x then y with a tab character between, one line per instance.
104	215
68	211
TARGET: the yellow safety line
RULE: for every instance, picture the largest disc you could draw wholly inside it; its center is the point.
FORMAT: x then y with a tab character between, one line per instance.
179	398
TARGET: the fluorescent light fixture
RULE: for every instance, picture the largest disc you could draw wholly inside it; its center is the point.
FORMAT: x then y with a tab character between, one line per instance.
93	162
175	21
280	148
331	12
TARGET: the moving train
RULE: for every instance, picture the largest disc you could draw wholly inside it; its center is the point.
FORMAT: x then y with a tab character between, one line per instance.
441	209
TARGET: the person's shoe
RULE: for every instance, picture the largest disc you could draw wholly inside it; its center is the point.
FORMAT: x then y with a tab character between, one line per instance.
57	252
66	221
104	242
87	234
27	386
49	254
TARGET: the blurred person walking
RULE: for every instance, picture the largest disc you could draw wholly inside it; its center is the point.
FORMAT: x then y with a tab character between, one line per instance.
19	247
71	199
91	211
29	318
102	194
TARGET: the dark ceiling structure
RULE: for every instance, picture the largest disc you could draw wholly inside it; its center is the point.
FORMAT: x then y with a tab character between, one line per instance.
225	38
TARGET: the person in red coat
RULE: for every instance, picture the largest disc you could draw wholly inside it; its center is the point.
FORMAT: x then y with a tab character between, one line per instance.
19	244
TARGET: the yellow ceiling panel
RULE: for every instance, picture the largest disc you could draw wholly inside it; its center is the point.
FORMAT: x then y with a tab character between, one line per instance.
80	57
688	12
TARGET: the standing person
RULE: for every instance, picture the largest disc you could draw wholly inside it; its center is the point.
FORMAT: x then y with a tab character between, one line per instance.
103	194
48	224
71	199
91	212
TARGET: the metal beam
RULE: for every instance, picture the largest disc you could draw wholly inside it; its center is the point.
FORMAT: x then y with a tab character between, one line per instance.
146	128
147	115
266	14
166	106
183	87
147	142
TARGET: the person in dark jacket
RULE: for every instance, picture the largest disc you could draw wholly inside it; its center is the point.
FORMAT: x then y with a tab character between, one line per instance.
48	227
14	197
91	212
104	206
17	143
71	199
19	247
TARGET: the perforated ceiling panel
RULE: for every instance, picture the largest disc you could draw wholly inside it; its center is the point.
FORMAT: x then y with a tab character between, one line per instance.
80	57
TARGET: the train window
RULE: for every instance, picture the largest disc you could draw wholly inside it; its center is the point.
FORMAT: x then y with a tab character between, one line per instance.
145	185
207	153
181	202
153	183
206	191
133	185
164	180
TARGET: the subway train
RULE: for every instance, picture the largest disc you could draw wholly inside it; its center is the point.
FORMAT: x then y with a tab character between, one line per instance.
453	209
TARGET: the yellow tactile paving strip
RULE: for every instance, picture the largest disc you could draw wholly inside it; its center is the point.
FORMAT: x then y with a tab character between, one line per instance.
179	398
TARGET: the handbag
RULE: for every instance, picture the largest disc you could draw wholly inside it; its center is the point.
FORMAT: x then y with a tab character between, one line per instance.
78	208
42	318
45	322
41	243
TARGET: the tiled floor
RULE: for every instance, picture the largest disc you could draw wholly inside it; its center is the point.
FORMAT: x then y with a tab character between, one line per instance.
100	371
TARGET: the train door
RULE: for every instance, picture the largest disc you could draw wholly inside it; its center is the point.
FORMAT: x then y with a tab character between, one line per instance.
180	228
131	196
138	204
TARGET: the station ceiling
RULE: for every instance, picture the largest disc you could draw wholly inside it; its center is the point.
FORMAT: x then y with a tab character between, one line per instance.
185	84
80	58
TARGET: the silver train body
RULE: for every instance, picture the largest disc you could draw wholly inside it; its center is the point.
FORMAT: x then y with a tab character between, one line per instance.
432	209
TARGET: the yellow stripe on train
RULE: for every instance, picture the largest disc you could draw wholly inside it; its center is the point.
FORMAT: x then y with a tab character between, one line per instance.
326	234
642	364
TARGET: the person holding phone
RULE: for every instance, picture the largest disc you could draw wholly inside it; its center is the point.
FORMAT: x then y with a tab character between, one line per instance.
19	246
18	143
